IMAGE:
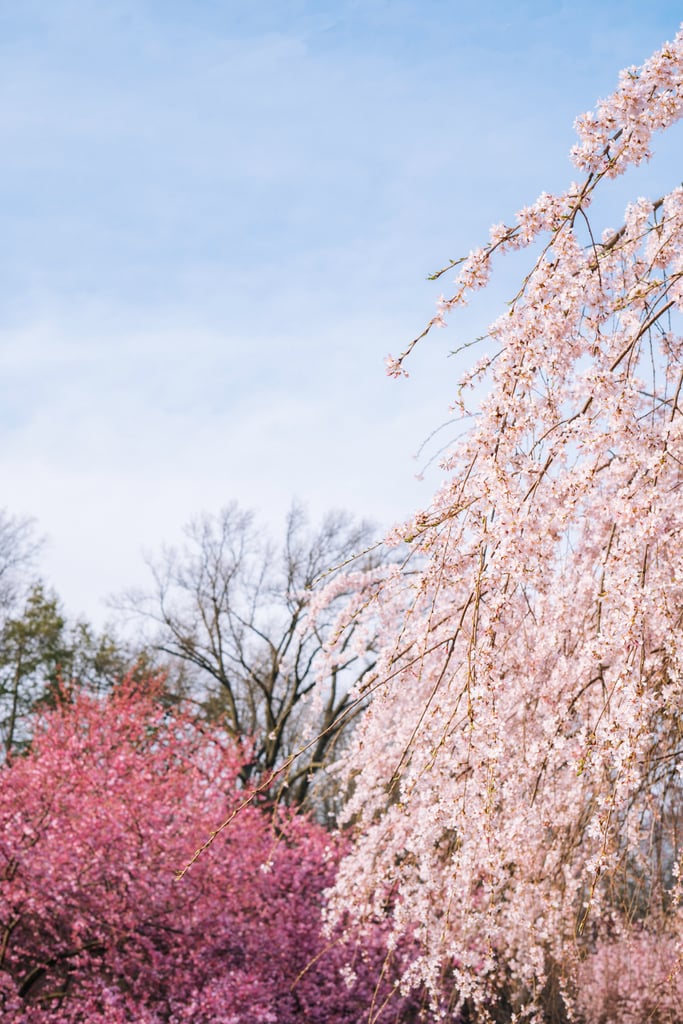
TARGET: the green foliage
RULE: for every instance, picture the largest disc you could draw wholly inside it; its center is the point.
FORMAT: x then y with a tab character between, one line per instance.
33	652
41	653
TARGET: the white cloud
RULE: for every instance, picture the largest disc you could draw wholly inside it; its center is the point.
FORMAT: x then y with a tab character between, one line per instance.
216	223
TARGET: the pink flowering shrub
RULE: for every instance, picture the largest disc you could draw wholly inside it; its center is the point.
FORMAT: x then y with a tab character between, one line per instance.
111	800
633	977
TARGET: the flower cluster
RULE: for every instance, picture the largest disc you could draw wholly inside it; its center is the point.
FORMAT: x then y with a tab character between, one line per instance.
94	822
517	779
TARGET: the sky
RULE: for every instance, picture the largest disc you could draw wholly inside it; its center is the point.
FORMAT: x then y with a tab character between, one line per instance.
217	219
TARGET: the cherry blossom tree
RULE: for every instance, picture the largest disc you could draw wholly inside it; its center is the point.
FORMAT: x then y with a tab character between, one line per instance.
110	800
517	781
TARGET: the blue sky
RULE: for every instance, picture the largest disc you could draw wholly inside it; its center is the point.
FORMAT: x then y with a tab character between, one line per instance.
216	221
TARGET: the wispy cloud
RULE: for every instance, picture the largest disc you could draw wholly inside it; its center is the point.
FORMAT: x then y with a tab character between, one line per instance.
216	221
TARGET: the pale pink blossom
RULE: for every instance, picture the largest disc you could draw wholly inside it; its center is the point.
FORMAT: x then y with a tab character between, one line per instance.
516	782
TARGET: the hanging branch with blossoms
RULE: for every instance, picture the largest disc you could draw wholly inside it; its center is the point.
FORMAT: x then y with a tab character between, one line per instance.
516	782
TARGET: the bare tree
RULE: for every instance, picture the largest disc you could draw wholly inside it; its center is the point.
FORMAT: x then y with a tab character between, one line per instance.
18	549
233	607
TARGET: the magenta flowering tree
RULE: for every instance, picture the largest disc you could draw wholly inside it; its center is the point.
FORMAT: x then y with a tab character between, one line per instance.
110	801
518	778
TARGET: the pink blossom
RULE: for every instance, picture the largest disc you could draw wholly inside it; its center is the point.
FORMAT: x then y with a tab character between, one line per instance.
516	781
112	799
